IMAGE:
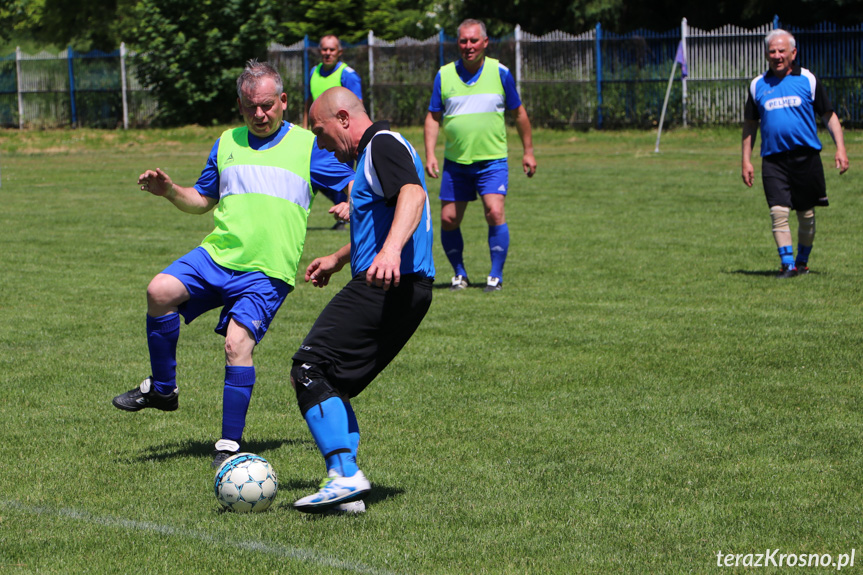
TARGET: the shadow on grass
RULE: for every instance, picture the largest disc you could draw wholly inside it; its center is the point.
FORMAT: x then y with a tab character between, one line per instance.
764	273
344	230
446	286
205	448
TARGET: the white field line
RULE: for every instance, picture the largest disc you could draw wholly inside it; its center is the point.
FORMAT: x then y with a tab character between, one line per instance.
246	545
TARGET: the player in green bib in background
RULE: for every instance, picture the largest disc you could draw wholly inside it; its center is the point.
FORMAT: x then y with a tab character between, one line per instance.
332	72
261	179
468	101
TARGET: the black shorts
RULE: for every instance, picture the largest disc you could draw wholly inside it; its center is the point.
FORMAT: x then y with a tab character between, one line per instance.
794	179
363	328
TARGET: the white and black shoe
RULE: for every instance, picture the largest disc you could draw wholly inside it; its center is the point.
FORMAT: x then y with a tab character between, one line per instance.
145	396
459	283
493	284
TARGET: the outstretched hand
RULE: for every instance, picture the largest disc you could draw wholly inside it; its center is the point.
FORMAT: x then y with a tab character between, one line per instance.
321	269
156	182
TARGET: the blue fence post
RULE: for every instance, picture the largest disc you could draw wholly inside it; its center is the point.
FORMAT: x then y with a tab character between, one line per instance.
440	41
69	55
599	75
776	23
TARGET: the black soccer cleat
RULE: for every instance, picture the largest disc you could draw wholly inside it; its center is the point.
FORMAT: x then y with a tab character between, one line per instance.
145	396
219	457
493	284
787	272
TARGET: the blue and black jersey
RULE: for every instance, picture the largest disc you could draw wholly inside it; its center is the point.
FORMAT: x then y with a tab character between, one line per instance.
787	109
387	162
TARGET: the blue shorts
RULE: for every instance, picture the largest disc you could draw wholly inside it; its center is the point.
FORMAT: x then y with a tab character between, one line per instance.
461	182
251	298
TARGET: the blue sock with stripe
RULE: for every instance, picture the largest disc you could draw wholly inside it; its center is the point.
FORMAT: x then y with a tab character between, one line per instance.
498	245
239	383
786	254
353	430
328	422
803	255
453	246
162	335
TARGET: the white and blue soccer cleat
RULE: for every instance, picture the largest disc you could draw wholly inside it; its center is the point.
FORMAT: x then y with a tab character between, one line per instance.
335	490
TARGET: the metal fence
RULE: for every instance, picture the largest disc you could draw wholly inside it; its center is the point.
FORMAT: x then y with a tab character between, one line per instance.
95	89
596	78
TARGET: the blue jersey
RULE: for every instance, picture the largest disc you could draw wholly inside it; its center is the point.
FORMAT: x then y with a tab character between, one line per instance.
511	98
327	173
787	110
386	163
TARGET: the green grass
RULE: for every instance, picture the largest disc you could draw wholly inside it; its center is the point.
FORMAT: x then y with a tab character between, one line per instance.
641	395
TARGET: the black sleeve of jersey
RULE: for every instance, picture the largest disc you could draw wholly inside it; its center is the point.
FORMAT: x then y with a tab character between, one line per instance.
750	112
822	102
394	166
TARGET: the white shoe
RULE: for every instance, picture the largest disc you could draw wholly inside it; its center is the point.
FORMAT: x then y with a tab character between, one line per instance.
335	490
459	283
493	284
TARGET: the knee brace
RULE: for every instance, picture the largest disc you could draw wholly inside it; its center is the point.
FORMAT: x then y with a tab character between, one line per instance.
806	228
311	385
779	215
781	229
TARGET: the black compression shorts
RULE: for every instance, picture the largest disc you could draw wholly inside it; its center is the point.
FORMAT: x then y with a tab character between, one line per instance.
363	328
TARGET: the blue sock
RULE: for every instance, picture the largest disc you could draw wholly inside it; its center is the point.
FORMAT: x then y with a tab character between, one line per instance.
162	336
803	255
498	245
453	246
353	430
328	422
239	382
786	253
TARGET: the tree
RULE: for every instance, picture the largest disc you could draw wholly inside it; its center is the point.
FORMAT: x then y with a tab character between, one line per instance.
191	52
17	18
315	19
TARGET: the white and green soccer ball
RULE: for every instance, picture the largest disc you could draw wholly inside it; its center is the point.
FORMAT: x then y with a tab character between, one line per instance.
246	482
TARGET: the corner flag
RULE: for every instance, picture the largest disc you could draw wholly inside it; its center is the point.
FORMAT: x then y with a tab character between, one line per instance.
680	58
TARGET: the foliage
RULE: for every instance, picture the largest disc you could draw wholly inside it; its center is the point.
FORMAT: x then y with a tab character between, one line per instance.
84	24
315	19
193	50
18	18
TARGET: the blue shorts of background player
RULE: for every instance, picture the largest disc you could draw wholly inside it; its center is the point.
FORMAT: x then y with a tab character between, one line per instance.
460	184
251	298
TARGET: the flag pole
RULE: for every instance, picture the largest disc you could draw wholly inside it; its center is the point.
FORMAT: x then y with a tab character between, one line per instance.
664	105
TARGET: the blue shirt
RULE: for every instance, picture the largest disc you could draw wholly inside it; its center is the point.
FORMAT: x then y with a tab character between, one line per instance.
327	173
787	110
387	162
511	102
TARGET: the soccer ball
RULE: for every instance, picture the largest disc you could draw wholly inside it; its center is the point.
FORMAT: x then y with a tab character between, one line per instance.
246	482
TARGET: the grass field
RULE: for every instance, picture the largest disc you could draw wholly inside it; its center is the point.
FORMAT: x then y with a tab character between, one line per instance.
641	396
